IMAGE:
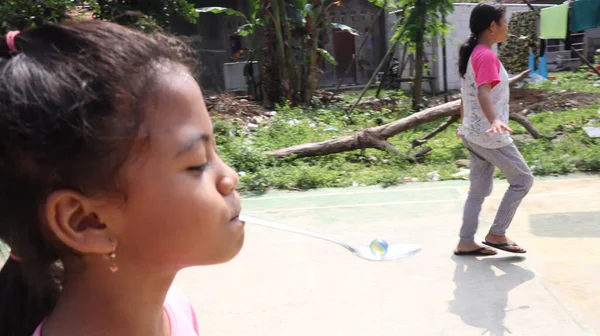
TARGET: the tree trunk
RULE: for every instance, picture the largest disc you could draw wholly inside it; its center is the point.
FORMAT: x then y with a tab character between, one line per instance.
373	137
314	25
290	64
281	59
376	137
420	50
269	70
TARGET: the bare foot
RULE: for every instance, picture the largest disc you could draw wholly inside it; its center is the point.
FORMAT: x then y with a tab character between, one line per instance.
510	247
469	247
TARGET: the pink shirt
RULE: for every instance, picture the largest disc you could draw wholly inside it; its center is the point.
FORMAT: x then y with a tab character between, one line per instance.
182	318
486	66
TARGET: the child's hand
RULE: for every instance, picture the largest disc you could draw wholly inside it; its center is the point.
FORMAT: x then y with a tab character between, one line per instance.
498	127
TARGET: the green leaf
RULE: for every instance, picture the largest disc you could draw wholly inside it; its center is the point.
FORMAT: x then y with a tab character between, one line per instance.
327	56
220	10
300	4
245	30
345	28
259	22
254	8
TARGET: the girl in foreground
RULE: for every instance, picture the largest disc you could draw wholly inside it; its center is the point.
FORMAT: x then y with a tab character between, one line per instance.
109	183
484	132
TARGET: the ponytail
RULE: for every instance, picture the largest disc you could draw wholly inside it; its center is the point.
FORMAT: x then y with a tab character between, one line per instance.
30	280
481	18
24	305
466	49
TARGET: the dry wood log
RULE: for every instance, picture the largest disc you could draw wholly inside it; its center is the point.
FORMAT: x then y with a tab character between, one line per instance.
419	155
376	137
439	129
521	119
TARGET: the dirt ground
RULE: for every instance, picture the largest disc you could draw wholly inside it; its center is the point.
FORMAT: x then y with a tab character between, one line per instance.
534	100
525	101
235	108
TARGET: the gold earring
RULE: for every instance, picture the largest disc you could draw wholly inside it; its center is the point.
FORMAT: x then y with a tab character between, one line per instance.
112	259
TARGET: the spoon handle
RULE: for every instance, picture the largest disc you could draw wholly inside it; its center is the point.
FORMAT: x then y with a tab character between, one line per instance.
273	225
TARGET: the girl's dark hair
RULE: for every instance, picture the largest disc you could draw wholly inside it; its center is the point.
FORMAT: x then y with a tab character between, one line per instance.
482	17
70	100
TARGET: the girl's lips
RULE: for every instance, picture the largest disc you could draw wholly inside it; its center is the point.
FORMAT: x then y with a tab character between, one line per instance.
237	222
236	217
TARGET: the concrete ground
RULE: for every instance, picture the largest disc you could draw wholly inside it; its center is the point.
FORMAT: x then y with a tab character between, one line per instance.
288	284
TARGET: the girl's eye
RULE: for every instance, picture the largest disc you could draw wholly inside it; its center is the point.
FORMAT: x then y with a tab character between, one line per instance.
199	169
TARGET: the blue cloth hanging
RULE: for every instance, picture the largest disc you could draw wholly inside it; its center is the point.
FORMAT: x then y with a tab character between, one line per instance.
542	67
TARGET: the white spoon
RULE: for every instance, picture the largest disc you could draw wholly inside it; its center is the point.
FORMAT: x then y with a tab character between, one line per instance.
394	252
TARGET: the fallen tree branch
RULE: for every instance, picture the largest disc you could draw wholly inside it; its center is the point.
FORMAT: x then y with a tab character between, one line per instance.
521	119
376	137
419	155
439	129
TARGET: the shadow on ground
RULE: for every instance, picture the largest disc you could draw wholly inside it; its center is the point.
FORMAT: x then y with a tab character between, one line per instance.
566	225
482	287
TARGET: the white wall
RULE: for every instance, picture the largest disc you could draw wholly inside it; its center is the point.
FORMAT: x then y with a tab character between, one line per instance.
459	31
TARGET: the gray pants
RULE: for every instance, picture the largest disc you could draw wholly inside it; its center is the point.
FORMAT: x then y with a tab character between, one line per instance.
483	160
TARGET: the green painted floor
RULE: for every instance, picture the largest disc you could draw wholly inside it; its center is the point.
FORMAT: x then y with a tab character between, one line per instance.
288	284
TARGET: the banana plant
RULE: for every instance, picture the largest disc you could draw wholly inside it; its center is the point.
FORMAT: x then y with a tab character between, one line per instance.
309	18
293	28
252	22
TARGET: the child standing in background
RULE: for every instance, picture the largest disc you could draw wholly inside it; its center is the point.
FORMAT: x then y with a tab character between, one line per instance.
110	183
484	132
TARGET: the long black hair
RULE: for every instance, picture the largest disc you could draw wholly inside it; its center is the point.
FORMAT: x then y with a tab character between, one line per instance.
482	17
69	115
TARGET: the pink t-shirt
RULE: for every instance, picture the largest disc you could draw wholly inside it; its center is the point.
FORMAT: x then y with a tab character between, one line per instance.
486	66
182	318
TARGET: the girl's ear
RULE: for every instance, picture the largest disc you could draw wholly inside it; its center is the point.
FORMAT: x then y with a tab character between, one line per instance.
72	219
493	27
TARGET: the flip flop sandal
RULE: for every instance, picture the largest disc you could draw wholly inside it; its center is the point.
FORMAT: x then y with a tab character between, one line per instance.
504	246
478	253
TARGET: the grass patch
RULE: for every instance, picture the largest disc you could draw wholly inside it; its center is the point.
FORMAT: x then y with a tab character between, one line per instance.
566	149
576	81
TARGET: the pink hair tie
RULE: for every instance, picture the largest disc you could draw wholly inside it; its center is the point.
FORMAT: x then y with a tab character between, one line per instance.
10	40
15	257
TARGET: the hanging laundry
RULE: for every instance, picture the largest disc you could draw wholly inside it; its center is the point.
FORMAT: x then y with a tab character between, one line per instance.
553	22
541	68
585	14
